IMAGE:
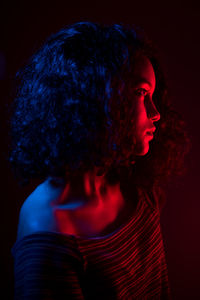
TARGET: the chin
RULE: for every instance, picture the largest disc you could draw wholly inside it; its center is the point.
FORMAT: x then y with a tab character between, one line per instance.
142	151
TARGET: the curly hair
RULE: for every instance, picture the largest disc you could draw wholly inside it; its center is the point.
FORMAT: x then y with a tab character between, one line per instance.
72	110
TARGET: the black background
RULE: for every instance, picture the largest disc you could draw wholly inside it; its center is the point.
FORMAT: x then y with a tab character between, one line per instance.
174	28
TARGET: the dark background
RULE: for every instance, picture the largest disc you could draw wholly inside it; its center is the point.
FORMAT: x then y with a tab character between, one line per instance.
174	28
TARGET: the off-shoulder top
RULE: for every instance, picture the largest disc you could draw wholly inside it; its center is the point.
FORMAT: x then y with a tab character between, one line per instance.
129	263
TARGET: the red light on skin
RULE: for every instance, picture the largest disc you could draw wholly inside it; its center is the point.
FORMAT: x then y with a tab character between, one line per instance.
149	135
145	113
91	216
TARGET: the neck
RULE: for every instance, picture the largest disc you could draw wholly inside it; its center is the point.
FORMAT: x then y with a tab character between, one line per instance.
89	185
89	189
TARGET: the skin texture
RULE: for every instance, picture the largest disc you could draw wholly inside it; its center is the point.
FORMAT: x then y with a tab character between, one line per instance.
145	111
88	206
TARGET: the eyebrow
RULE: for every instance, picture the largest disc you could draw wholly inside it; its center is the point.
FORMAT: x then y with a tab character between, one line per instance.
142	80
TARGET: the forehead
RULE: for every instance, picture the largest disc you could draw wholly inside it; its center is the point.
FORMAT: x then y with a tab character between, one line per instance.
143	71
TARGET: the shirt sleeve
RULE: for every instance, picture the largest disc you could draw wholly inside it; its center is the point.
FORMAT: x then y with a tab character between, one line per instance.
47	266
155	197
160	197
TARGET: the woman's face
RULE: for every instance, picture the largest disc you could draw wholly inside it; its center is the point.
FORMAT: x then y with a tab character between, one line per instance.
145	112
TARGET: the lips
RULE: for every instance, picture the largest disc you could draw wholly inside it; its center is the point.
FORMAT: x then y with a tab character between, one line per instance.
149	135
151	131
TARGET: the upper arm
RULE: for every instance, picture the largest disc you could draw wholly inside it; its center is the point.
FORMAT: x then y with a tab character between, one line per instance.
40	212
35	215
47	266
30	220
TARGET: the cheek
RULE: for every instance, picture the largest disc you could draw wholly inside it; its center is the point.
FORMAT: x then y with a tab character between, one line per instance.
140	118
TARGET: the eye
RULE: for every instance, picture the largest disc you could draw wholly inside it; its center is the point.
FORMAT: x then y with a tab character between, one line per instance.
141	92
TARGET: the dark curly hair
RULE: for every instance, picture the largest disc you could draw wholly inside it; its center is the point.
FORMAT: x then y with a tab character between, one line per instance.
72	110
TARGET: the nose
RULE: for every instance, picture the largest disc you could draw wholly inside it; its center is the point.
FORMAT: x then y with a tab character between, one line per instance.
152	111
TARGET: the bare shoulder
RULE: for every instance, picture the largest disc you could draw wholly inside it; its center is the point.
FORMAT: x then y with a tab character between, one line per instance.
36	213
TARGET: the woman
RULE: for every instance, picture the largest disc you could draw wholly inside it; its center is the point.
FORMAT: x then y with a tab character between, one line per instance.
93	122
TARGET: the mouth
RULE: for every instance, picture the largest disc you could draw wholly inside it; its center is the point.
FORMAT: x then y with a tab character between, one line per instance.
149	133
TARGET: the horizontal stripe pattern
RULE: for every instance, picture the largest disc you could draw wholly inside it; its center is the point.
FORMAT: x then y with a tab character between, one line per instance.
47	266
127	264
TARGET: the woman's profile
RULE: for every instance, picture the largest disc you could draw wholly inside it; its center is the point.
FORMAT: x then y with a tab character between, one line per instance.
93	122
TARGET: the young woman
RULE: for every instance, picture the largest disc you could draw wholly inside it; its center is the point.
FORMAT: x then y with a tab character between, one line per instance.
92	120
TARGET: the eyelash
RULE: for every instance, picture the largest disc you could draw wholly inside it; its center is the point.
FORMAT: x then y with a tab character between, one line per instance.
138	92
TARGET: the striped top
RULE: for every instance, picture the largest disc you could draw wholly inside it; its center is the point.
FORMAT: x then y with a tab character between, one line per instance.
126	264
